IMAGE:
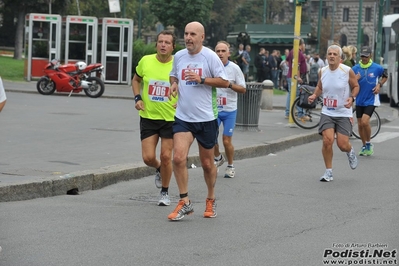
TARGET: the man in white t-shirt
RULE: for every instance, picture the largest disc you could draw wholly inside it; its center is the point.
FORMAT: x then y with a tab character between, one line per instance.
227	106
338	84
3	97
196	73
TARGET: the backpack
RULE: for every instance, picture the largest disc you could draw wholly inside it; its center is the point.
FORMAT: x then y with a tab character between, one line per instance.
314	72
304	92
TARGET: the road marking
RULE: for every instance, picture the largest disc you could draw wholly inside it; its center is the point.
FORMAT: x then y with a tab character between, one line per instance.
385	136
393	127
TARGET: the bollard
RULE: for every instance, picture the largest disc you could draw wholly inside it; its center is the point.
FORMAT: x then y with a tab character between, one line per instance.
248	107
267	95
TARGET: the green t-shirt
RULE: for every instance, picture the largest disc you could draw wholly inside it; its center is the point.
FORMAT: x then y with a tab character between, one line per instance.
155	89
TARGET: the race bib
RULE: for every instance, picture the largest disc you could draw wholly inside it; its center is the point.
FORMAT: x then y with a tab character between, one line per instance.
222	99
158	91
331	101
197	68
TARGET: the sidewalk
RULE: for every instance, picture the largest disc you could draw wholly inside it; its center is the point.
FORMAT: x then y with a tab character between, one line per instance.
19	182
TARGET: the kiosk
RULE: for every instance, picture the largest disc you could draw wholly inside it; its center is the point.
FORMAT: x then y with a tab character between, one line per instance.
42	42
81	39
117	49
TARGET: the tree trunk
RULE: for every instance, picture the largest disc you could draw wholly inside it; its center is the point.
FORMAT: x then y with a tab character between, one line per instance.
19	35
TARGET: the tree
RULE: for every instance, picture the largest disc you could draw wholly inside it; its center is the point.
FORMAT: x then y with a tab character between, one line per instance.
180	12
251	12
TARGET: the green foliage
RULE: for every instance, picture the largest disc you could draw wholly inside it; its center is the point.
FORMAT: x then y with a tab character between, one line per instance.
141	49
11	69
180	12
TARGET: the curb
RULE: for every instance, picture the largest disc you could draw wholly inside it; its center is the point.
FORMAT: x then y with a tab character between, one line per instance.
97	179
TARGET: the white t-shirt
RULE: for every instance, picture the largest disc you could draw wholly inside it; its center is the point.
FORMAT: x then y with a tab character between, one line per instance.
227	98
197	102
2	92
336	91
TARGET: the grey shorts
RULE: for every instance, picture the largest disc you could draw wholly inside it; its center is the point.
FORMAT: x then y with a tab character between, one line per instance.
342	125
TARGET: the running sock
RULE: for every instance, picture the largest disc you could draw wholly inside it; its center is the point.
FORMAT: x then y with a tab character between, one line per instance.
230	165
218	158
164	189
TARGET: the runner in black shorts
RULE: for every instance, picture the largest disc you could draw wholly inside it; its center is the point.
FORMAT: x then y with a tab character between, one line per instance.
156	110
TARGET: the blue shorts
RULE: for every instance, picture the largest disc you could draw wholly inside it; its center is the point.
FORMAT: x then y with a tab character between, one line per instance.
204	132
229	122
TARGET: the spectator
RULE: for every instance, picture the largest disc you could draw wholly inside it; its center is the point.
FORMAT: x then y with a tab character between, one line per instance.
3	97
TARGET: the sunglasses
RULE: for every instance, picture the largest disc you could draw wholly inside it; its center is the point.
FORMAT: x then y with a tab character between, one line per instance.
363	56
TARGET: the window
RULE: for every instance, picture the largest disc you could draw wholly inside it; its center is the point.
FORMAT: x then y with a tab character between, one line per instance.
346	15
366	40
367	17
396	10
344	40
324	12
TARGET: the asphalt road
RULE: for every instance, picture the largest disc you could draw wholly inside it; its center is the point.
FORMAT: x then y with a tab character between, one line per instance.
275	212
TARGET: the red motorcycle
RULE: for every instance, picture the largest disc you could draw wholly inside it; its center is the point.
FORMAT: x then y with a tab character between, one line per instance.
72	78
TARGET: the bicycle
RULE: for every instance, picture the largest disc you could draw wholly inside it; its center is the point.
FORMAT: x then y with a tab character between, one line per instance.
375	124
306	116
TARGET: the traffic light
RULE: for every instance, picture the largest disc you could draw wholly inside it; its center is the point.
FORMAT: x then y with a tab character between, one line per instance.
243	38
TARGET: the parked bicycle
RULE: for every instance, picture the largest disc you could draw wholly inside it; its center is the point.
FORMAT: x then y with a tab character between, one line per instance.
307	116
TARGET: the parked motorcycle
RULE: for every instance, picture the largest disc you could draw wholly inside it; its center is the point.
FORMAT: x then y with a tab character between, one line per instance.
72	78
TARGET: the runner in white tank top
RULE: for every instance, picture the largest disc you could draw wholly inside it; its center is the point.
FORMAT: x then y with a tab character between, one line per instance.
339	87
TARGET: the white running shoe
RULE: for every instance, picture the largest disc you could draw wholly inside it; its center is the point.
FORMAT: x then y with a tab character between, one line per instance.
327	177
230	172
164	199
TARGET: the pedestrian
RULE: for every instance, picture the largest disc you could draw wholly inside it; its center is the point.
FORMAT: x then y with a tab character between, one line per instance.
156	110
279	72
246	60
266	67
259	64
339	87
3	97
347	52
284	70
239	55
196	71
301	77
354	52
227	107
274	68
314	73
371	77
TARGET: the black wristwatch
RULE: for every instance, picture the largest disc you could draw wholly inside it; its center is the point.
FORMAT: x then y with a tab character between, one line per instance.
231	85
202	81
353	99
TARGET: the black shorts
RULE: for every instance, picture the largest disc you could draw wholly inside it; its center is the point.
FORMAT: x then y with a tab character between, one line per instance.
368	110
149	127
204	132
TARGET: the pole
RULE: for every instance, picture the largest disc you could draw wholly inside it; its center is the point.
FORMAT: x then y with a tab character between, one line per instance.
139	32
332	23
359	25
295	62
319	26
124	9
264	12
378	48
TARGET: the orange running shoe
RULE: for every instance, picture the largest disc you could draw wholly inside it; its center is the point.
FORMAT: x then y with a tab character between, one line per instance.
210	209
181	209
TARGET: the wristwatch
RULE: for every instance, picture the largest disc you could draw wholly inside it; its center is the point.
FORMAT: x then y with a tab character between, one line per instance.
202	81
231	85
353	99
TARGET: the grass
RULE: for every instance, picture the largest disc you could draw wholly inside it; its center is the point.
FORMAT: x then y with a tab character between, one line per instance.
279	92
11	69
